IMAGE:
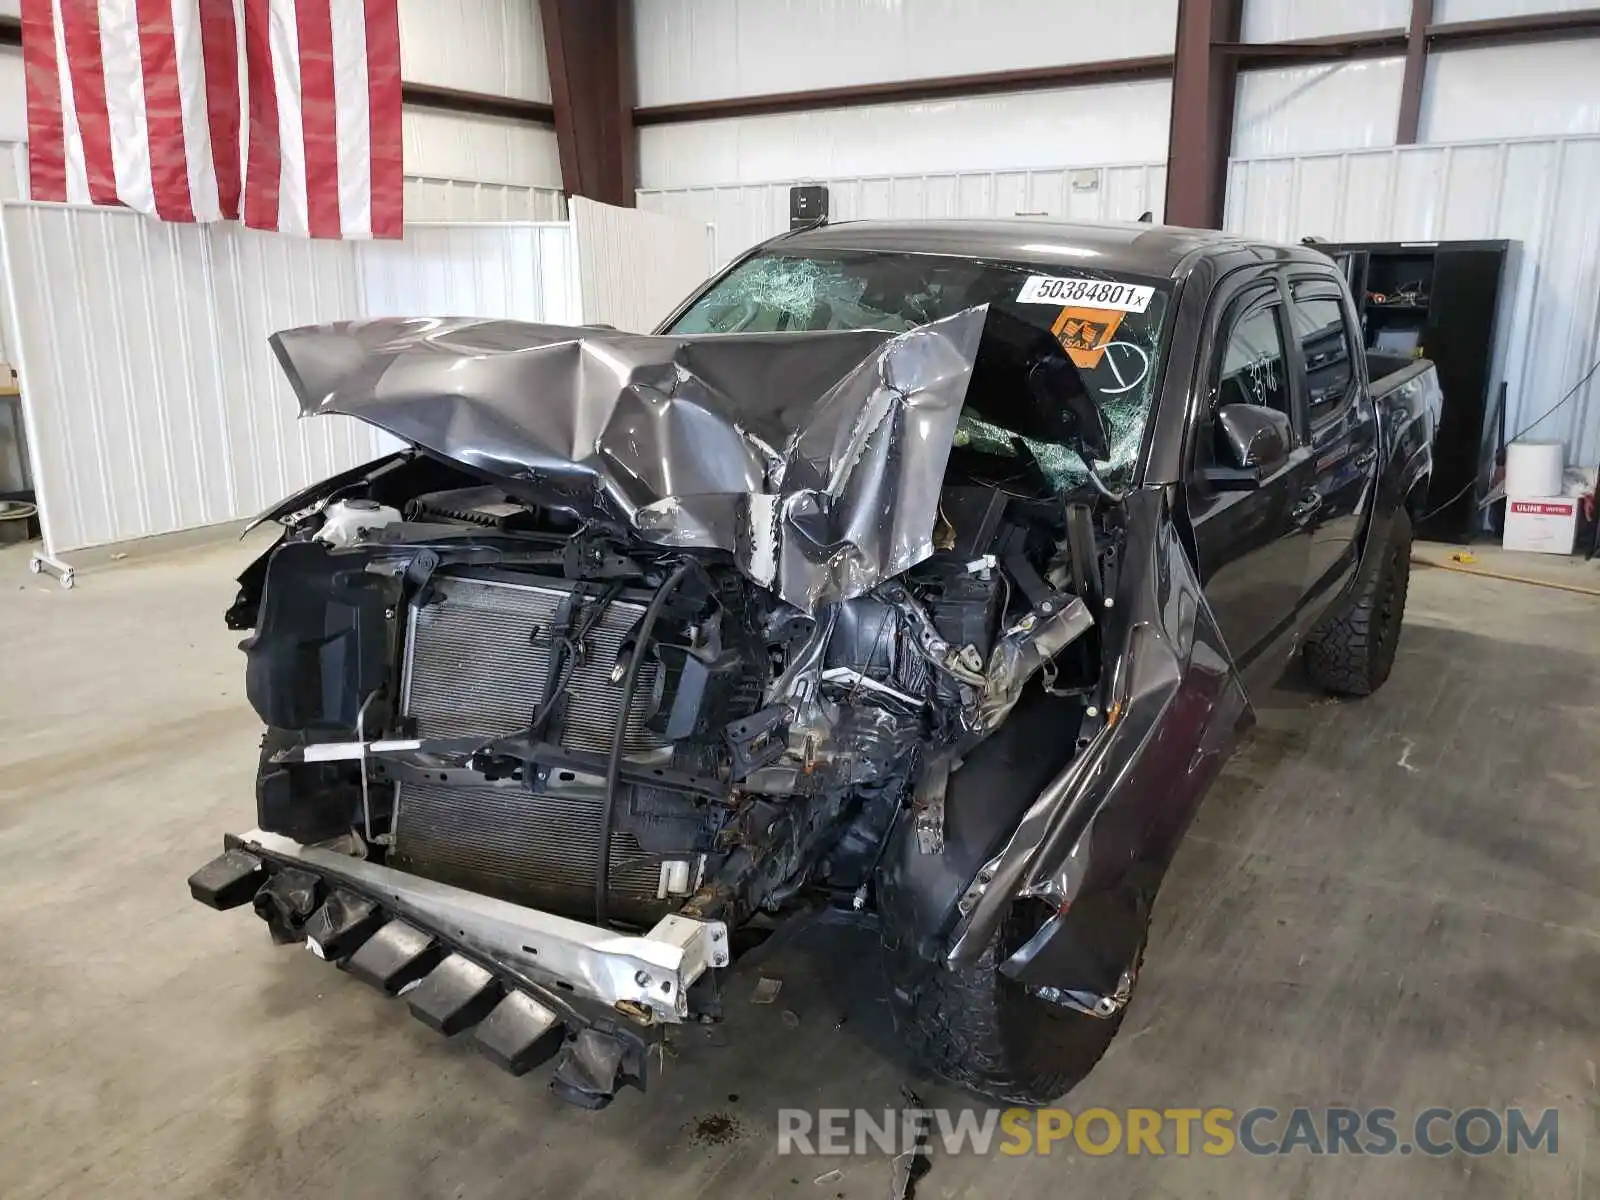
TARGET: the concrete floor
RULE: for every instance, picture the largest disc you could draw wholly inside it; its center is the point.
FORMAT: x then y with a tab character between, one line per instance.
1391	902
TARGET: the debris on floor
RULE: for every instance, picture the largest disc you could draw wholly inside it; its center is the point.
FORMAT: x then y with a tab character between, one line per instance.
908	1169
1464	557
829	1177
791	1018
911	1166
766	990
715	1129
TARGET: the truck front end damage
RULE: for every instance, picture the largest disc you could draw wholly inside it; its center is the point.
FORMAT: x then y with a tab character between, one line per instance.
641	658
641	638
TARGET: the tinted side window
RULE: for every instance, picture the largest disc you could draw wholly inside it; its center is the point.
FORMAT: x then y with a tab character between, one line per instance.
1253	368
1325	344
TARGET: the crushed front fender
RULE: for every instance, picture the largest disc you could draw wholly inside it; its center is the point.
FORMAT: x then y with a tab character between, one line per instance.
1098	838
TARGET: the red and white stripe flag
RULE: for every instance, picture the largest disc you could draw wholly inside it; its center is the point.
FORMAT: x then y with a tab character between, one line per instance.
286	112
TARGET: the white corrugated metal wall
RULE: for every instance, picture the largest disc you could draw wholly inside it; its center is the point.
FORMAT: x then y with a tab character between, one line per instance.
457	167
743	214
429	198
222	443
1091	151
1322	106
461	167
155	403
1507	150
1113	123
1537	192
709	49
491	46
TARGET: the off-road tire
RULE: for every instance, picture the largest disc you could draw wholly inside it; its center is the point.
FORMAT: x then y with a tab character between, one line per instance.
982	1030
1352	653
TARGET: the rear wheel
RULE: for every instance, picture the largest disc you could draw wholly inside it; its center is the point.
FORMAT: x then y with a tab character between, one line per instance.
979	1028
1352	653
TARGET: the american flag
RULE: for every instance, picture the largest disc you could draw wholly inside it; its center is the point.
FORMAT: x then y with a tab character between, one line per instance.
284	112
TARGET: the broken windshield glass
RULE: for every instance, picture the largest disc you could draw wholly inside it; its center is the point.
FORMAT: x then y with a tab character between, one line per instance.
1111	325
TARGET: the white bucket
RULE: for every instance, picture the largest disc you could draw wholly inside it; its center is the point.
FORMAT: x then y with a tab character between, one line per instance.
1535	468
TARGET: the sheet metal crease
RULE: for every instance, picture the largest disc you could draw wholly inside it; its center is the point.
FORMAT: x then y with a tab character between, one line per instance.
815	459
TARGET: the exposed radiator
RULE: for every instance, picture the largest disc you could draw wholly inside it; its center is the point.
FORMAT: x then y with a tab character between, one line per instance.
476	661
475	664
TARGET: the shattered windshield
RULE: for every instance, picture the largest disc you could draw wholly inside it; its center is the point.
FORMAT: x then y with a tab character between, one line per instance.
1111	325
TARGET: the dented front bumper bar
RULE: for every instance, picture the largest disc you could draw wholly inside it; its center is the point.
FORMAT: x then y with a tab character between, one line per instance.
527	984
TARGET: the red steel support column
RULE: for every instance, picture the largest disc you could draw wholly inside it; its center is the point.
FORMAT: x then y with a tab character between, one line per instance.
1204	82
1416	72
589	46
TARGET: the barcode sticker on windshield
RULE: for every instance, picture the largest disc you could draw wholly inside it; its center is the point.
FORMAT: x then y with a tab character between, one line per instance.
1093	293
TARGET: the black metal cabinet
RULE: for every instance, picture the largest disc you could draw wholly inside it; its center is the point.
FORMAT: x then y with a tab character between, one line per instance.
1441	300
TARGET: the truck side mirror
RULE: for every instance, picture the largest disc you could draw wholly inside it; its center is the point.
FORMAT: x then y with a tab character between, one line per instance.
1252	442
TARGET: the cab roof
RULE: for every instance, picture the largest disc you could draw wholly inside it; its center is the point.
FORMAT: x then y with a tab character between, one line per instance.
1106	245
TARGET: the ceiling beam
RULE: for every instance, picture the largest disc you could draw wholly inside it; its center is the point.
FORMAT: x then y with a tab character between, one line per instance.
1375	43
1415	73
589	46
426	95
942	87
1514	31
1204	85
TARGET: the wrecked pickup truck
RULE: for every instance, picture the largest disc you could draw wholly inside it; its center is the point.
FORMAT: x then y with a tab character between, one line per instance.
924	569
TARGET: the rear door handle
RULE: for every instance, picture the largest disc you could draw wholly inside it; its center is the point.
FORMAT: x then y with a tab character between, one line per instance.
1302	512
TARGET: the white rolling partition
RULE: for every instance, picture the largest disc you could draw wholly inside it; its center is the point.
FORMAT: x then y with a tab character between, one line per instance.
126	424
743	214
1538	192
13	186
154	403
613	247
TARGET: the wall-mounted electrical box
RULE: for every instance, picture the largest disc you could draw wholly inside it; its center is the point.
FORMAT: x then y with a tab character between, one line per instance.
808	205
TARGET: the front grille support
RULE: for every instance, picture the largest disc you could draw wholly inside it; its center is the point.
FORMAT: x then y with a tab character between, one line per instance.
645	977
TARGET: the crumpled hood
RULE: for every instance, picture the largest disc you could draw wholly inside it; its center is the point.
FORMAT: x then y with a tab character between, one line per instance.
816	459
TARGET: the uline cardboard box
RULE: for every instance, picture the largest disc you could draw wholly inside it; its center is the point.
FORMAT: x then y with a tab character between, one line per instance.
1545	524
